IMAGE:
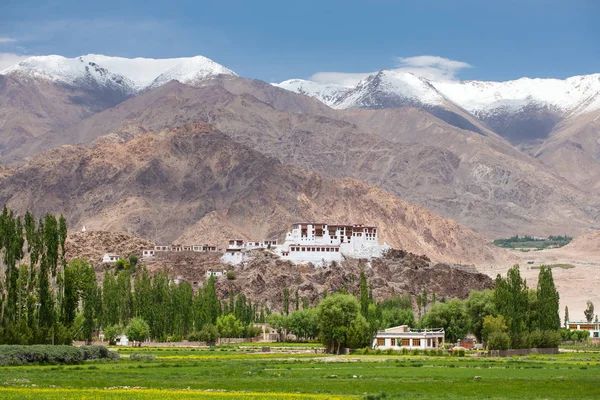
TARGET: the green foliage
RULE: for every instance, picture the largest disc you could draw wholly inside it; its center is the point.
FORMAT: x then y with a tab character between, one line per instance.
511	300
452	316
231	275
45	354
142	357
479	305
529	242
493	325
286	301
336	314
303	323
111	333
589	311
229	326
548	301
137	330
498	341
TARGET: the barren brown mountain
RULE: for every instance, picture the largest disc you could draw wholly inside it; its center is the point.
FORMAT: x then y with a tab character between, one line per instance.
573	150
30	108
477	179
196	184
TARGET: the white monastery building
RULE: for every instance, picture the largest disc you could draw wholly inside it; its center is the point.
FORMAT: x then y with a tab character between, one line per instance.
401	336
110	258
314	242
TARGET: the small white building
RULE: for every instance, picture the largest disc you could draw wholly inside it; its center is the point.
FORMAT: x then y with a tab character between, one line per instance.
110	258
148	253
592	327
217	273
233	256
402	336
122	340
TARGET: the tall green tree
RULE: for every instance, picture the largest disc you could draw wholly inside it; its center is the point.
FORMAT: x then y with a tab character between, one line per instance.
589	311
337	313
286	301
511	299
364	294
548	301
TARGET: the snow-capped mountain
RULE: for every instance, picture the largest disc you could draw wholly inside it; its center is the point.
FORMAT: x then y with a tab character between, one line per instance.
522	110
71	72
329	94
572	96
391	89
385	89
130	75
191	71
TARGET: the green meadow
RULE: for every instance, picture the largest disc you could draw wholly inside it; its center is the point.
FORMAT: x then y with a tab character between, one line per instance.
234	372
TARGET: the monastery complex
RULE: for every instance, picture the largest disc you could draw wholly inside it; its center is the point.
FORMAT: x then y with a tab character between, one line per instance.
306	242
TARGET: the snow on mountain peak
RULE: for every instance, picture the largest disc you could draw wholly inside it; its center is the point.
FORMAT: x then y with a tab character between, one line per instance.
134	74
69	71
329	94
571	96
191	71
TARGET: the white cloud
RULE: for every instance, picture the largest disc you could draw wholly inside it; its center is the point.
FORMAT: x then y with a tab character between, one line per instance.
9	59
4	39
430	67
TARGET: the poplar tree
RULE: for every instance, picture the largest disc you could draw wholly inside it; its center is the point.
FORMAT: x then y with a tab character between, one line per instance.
566	317
286	301
364	294
548	300
511	299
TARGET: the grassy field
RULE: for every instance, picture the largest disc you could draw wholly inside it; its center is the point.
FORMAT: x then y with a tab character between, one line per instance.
230	374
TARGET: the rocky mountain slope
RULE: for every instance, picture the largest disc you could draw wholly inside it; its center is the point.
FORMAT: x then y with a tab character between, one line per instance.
573	150
459	174
195	184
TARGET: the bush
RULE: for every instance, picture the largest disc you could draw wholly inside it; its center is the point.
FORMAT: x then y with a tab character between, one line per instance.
49	354
459	353
208	334
498	341
174	338
231	275
137	330
142	357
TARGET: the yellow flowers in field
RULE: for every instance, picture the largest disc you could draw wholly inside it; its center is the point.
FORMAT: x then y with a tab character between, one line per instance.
150	394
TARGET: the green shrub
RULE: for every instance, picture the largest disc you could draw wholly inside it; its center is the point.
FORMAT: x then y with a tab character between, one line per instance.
142	357
498	341
404	351
48	354
416	352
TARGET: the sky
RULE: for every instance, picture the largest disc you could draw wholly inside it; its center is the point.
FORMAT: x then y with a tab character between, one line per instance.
327	41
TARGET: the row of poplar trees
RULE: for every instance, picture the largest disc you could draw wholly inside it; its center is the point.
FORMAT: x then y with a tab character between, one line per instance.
45	299
39	294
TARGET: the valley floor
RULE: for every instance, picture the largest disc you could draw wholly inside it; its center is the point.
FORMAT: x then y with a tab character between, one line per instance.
241	372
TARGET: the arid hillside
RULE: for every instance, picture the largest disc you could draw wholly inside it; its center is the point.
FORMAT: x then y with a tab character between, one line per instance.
477	179
195	184
262	278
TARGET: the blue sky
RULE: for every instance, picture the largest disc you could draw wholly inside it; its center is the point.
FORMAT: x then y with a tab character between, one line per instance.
278	40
